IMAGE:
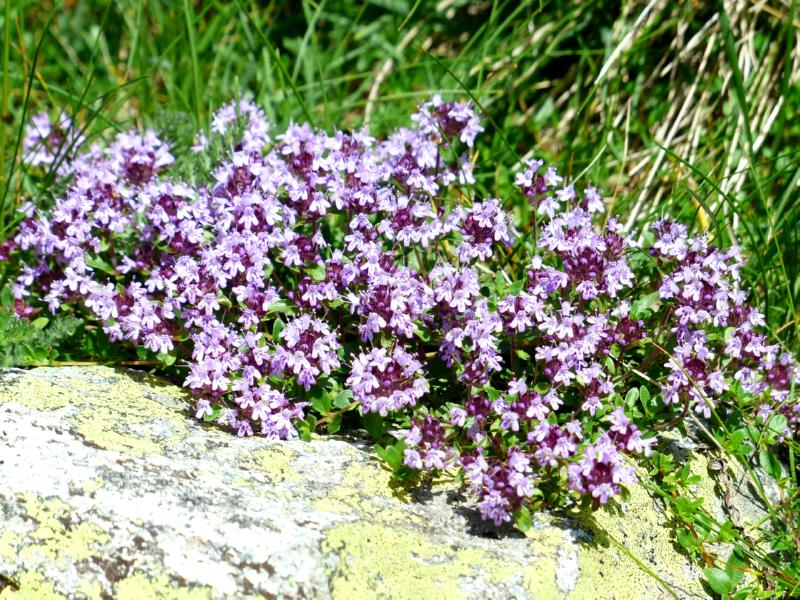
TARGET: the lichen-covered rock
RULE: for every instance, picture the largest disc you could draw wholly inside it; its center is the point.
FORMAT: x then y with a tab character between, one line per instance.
110	488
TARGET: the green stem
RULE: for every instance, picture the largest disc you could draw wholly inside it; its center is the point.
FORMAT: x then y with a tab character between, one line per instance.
4	100
188	12
329	417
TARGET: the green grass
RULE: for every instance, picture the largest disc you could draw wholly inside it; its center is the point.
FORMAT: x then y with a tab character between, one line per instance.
679	109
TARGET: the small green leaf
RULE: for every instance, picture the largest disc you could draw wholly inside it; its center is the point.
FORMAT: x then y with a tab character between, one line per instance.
35	354
342	399
771	464
373	423
321	401
777	423
522	519
216	411
736	566
335	423
686	508
500	283
631	397
624	493
335	303
610	365
394	455
381	452
687	539
306	427
101	265
311	420
491	392
281	306
727	532
644	394
719	581
277	327
316	272
40	323
403	472
515	288
644	306
753	434
167	359
736	440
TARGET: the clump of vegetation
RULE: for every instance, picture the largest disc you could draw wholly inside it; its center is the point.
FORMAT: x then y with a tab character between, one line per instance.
313	281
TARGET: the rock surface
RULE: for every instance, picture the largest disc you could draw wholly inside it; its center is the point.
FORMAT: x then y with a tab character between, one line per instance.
110	488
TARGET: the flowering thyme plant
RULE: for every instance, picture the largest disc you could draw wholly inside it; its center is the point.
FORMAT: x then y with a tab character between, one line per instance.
311	281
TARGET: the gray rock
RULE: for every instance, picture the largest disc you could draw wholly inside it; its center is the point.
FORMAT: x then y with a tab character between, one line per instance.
110	488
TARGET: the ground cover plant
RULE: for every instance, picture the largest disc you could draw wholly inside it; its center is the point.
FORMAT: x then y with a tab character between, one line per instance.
525	334
307	276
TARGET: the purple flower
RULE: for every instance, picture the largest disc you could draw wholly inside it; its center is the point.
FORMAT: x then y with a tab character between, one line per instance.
309	349
47	142
384	381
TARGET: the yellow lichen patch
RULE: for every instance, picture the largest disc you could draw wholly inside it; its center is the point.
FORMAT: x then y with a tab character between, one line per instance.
541	575
53	538
90	589
380	561
102	432
368	505
141	587
35	393
114	412
623	573
367	489
8	545
44	512
274	461
91	485
369	478
32	586
347	499
333	506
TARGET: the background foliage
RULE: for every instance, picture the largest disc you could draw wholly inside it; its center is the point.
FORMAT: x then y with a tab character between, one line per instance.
686	107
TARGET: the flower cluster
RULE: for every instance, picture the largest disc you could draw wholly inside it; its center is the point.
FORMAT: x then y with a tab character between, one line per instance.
717	334
51	143
383	382
306	266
